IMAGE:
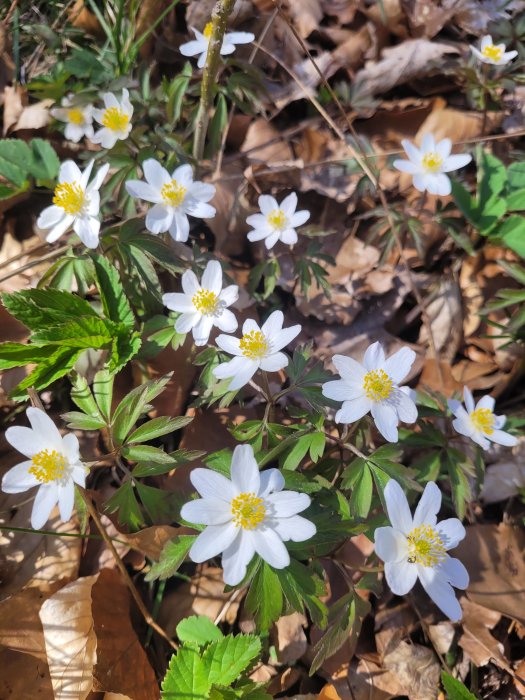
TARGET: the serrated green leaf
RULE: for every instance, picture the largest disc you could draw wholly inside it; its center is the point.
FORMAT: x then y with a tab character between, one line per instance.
39	308
15	155
455	689
361	496
171	557
44	163
179	457
302	586
125	504
81	421
228	657
265	597
18	354
134	405
82	396
163	425
125	345
115	304
186	676
84	332
57	365
103	391
198	629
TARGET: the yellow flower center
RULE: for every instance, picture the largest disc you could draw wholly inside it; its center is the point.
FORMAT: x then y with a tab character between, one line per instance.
377	385
207	30
205	301
48	465
425	546
75	116
248	510
483	420
70	197
115	119
494	53
432	162
277	218
173	193
254	345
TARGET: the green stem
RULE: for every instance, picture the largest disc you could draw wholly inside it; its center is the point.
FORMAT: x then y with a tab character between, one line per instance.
219	18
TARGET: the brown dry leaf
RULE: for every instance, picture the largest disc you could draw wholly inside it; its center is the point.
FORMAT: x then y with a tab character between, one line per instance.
442	635
427	18
368	680
116	696
121	662
290	637
24	677
505	477
305	81
416	668
84	19
494	557
445	314
151	540
20	626
520	673
35	116
400	64
264	144
457	125
70	639
446	383
306	15
476	639
14	98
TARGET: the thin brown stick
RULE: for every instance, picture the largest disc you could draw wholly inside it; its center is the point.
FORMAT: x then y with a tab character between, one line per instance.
120	565
49	256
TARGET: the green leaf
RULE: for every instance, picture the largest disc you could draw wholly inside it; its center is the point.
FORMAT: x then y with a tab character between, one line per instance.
125	345
198	629
361	496
228	657
134	405
163	425
39	308
186	676
177	90
217	125
125	504
44	164
265	597
301	586
81	421
516	200
157	502
115	304
454	688
85	332
512	233
178	457
57	365
171	557
17	354
15	154
103	391
492	178
516	176
83	398
147	453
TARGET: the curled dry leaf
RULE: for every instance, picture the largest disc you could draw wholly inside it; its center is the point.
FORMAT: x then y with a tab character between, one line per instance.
476	639
416	668
291	640
71	643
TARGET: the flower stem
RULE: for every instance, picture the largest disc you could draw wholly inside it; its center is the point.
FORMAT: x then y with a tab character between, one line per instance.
219	18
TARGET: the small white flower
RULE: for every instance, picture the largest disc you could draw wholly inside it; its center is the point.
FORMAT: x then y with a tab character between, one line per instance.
417	548
429	164
76	203
174	197
53	465
78	118
115	119
277	222
203	305
478	421
257	349
251	514
199	45
374	386
493	53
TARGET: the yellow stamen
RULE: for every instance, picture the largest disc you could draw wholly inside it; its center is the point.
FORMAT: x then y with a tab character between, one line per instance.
254	345
173	193
425	546
75	116
207	30
205	301
277	218
494	53
70	197
115	119
48	466
432	162
377	385
248	510
483	420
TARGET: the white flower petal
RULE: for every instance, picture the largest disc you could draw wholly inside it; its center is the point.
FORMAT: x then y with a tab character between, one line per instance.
443	148
386	420
71	448
294	529
142	190
274	362
405	406
428	506
18	479
250	325
187	321
226	322
439	184
469	399
400	576
284	337
66	499
245	470
50	217
428	143
440	592
229	295
271	480
299	218
201	210
273	324
69	172
57	231
390	544
288	503
193	48
272	239
349	368
245	371
229	344
180	228
178	302
456	161
353	410
212	541
206	511
87	229
412	151
289	236
212	277
502	438
258	234
44	427
289	204
239	37
45	500
202	191
374	357
25	440
236	558
159	218
397	507
156	175
202	330
398	365
267	204
487	402
406	166
454	572
270	547
211	484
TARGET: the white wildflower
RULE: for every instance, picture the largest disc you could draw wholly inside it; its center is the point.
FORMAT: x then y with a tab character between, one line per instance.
259	348
174	197
494	54
428	164
417	548
53	465
76	204
115	119
277	222
478	422
203	304
199	45
247	515
374	387
78	118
